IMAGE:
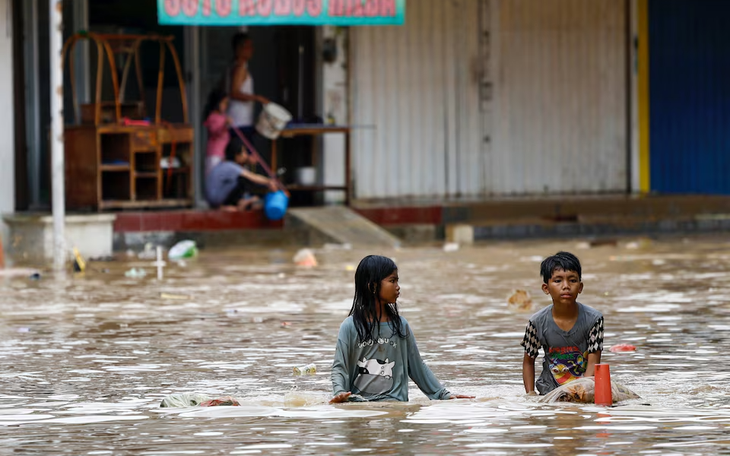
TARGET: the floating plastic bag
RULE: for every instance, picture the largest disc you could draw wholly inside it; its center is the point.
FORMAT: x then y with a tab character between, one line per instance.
197	400
582	390
183	249
135	273
184	400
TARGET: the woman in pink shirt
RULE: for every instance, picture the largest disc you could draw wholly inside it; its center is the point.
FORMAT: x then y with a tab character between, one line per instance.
218	124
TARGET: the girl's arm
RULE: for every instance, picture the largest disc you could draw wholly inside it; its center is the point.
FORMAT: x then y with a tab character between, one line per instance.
340	367
420	373
528	373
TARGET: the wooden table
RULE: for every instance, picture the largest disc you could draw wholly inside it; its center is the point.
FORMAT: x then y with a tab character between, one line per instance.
317	130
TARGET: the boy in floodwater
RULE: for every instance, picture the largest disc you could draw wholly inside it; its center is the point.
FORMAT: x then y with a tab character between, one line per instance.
570	333
376	350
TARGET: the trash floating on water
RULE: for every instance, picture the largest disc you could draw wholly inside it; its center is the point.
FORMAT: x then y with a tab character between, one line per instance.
79	263
174	296
451	247
309	369
221	401
135	273
183	249
197	400
32	274
622	348
148	253
639	244
520	300
582	390
305	258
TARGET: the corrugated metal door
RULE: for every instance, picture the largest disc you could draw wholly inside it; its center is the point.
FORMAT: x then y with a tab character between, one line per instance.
492	97
417	87
689	54
561	97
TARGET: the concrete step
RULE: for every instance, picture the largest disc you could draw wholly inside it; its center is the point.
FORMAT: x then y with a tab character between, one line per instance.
339	224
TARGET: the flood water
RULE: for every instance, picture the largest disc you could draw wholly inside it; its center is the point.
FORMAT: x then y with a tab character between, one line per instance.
86	360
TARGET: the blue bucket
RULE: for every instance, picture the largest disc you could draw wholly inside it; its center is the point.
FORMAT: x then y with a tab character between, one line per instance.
275	204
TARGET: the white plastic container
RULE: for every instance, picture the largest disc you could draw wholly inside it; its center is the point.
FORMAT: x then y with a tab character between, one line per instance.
306	175
272	120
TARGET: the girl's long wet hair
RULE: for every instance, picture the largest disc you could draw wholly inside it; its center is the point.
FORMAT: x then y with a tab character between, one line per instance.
370	272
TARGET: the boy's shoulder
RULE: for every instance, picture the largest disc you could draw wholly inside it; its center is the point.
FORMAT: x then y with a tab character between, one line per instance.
590	312
542	314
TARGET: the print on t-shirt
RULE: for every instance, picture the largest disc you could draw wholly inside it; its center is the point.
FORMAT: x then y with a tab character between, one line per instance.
566	363
375	376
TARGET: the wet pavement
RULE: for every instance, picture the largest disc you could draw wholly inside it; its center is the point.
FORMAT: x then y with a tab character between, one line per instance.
85	360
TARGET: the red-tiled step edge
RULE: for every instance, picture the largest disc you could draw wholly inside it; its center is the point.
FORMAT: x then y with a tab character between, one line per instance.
383	216
191	221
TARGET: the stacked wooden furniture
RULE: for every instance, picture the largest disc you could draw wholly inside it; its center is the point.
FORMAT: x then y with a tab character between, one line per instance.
114	158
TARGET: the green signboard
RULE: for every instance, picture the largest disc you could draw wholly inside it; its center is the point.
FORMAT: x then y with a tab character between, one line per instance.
275	12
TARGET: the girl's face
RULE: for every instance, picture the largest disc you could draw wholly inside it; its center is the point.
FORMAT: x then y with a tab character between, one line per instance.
223	106
389	288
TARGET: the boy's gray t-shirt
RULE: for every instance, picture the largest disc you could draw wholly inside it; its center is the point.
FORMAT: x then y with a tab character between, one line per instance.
566	352
379	370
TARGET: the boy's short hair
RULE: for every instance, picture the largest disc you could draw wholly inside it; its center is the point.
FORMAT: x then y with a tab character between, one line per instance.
561	260
234	148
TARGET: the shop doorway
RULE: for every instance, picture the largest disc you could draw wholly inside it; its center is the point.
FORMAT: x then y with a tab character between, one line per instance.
284	71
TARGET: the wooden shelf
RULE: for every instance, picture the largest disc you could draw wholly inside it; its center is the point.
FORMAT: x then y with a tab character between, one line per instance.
115	168
182	169
126	171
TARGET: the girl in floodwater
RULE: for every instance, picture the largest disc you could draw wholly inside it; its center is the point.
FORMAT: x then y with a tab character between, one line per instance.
376	350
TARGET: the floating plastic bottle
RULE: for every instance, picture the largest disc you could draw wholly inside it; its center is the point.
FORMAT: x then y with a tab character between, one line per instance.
309	369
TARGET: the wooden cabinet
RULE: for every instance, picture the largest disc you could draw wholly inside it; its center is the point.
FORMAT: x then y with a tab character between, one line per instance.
117	167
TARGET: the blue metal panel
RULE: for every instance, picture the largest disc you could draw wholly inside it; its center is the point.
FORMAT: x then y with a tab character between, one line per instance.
689	55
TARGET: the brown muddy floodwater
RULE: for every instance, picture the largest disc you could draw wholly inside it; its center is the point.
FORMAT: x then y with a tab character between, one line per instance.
85	361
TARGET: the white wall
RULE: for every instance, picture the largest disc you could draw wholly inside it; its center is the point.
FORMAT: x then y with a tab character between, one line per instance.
7	138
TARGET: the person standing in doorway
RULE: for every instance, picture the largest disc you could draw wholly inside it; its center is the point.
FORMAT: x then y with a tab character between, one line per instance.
240	87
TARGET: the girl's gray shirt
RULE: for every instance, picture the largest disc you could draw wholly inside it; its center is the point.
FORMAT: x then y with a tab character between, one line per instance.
379	370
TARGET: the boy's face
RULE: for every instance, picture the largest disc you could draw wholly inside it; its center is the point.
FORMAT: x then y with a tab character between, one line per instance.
243	157
563	287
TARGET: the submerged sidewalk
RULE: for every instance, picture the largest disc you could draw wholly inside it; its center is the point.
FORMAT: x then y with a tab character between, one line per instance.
418	221
552	216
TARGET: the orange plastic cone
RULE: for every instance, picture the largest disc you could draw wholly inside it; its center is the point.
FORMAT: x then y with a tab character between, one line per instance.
603	394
